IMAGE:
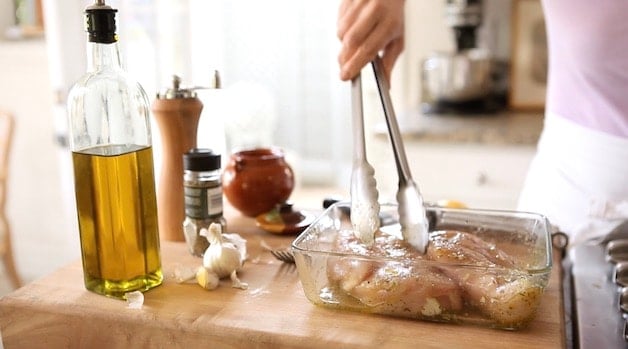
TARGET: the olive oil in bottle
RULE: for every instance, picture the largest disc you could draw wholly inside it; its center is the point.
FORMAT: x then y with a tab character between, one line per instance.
113	168
115	200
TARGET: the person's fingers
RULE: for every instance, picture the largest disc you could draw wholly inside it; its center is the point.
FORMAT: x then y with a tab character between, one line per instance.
347	13
357	24
390	55
366	27
353	58
357	59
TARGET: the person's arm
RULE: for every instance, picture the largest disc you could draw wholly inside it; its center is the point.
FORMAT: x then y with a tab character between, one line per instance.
366	28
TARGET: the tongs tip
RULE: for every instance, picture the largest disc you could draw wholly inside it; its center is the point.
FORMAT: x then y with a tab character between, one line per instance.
412	215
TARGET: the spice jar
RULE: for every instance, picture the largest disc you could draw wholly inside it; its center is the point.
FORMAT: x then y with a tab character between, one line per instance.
203	197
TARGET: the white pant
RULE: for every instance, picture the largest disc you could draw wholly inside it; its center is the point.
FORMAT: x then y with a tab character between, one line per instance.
578	179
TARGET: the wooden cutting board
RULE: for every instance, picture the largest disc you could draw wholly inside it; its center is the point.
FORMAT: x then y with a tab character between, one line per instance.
56	311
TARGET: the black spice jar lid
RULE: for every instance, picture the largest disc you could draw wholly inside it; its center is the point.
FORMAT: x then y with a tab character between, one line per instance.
201	159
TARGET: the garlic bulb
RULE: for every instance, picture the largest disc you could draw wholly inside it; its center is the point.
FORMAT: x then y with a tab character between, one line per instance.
225	254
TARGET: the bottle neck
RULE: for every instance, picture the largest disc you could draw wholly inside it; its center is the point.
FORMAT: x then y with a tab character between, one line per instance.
102	56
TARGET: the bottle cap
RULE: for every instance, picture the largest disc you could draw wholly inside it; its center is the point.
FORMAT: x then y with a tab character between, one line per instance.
200	159
100	23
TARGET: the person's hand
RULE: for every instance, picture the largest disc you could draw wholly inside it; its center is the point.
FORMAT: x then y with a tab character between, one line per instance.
366	27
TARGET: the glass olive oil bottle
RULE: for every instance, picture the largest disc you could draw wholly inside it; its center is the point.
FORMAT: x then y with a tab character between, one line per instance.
113	168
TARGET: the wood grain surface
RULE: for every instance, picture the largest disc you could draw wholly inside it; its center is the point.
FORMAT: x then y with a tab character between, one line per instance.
57	312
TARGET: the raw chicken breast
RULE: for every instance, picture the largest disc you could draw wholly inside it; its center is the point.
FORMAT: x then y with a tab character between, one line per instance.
459	274
390	286
496	287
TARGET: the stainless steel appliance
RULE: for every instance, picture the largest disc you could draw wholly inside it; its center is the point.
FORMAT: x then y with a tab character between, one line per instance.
469	79
595	297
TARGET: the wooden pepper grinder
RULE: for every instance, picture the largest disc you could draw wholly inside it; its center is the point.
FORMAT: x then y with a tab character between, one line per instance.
177	112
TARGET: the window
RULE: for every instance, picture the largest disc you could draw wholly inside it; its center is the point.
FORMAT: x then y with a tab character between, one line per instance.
277	61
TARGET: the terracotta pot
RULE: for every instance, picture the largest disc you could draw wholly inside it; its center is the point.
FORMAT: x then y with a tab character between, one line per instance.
256	180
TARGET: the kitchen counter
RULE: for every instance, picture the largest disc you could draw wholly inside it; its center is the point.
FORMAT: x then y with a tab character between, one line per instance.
502	128
57	311
479	159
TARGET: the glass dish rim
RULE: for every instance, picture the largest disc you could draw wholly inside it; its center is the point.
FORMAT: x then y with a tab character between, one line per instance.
548	256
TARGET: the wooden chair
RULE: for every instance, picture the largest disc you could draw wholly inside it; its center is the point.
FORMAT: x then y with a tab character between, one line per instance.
6	251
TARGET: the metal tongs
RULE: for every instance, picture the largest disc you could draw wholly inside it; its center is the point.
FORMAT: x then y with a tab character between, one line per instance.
364	195
412	215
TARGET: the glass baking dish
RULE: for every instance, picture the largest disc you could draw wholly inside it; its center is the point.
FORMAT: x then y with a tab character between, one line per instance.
482	267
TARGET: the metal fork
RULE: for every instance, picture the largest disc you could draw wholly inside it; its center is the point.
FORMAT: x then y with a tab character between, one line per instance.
285	256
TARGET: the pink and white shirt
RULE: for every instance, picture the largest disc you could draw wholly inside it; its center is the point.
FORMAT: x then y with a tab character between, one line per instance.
588	63
579	175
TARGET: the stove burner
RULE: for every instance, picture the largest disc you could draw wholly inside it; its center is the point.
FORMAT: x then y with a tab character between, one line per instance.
620	274
617	251
599	321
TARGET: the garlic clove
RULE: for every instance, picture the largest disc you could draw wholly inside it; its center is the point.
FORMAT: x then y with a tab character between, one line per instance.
207	279
213	234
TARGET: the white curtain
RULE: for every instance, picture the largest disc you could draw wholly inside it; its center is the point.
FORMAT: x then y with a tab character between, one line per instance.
276	58
277	61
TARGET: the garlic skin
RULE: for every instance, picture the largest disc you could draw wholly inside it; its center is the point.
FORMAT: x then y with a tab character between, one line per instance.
134	299
236	283
225	254
184	274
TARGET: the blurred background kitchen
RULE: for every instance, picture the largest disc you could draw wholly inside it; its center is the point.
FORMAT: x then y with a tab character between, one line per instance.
470	114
